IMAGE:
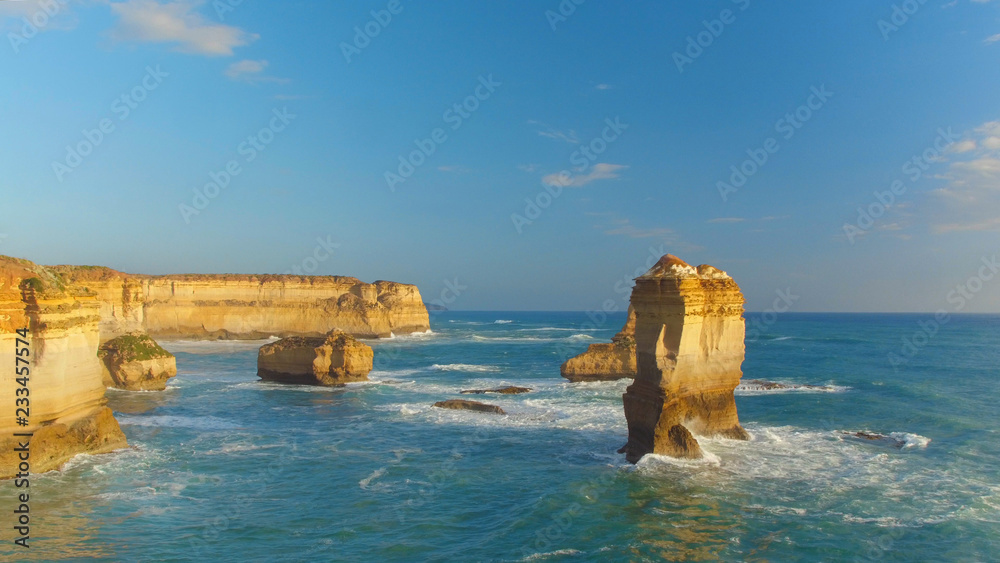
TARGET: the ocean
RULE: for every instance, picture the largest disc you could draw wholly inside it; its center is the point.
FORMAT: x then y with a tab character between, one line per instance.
225	467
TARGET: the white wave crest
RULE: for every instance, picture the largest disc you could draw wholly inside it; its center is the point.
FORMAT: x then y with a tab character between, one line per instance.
465	367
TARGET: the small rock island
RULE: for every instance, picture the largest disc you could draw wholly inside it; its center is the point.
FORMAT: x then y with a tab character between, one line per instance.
135	362
331	360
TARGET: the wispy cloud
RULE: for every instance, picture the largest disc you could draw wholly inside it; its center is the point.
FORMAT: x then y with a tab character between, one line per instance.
176	22
603	87
600	171
568	136
727	220
631	231
529	168
970	201
453	168
251	71
993	39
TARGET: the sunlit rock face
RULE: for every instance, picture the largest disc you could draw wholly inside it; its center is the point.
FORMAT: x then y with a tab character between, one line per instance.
689	333
605	362
67	412
332	360
248	306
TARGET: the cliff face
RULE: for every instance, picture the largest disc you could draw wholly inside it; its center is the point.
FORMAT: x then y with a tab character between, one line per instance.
67	411
606	362
332	360
249	307
689	333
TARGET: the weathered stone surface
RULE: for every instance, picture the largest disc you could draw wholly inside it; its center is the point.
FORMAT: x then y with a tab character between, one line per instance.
689	334
509	390
332	360
463	405
248	306
135	362
68	415
606	362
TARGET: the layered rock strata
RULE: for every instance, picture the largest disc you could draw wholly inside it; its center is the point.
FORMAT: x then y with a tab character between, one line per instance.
689	334
135	362
606	362
332	360
67	408
248	306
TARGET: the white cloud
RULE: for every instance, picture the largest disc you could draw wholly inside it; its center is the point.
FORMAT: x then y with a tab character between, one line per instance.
251	71
529	168
963	146
970	200
600	171
604	87
179	23
993	39
57	15
631	231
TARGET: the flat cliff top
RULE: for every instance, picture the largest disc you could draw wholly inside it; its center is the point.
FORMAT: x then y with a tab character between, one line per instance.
81	274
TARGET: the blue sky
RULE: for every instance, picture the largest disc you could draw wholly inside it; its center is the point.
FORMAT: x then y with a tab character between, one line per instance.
840	97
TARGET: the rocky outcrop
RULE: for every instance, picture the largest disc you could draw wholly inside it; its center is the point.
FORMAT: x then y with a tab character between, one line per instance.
67	408
135	362
509	390
248	306
689	334
332	360
606	362
463	405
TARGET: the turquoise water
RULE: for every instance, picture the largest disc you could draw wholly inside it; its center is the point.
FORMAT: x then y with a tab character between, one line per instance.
224	467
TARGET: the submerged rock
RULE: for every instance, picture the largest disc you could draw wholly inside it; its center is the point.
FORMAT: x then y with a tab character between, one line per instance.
874	437
135	362
463	405
606	362
509	390
689	333
334	359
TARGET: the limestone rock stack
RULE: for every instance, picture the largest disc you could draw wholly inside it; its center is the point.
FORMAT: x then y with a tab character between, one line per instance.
136	362
68	412
332	360
606	362
689	333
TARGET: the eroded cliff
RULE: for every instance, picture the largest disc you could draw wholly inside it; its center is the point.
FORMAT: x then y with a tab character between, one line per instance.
606	362
67	410
249	306
689	333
